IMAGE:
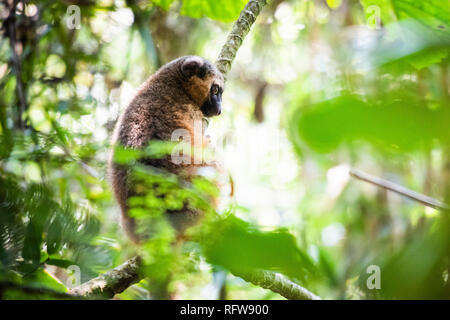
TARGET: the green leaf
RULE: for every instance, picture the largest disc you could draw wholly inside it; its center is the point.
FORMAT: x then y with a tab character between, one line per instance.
32	245
42	278
238	245
62	263
165	4
434	14
334	4
27	268
381	9
126	156
54	236
226	11
433	27
392	121
416	31
420	264
428	57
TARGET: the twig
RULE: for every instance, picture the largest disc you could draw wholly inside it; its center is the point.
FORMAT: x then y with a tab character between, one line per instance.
89	170
388	185
235	38
277	283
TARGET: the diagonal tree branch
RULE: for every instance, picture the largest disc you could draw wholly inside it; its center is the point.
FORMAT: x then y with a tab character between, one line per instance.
112	282
388	185
236	37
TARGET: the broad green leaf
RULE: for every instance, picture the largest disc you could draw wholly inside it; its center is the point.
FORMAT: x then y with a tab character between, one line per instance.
41	278
238	245
378	9
165	4
428	57
62	263
226	11
126	156
434	18
27	268
420	264
334	4
434	14
32	245
418	30
396	122
54	236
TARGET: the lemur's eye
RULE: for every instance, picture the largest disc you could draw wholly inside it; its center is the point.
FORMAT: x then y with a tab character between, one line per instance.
215	89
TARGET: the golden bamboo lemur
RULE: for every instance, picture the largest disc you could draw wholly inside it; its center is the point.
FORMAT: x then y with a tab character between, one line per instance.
178	95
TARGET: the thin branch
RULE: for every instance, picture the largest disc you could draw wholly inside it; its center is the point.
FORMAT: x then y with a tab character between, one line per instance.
112	282
89	170
239	31
388	185
277	283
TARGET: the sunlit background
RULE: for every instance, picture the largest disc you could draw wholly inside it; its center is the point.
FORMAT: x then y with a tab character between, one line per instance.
317	88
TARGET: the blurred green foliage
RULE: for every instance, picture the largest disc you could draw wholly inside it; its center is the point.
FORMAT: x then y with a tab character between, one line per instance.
351	83
390	102
379	120
213	9
238	245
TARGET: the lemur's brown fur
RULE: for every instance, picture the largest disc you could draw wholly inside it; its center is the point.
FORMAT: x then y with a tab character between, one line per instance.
170	99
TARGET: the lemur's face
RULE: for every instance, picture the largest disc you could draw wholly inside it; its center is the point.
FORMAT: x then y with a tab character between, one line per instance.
204	83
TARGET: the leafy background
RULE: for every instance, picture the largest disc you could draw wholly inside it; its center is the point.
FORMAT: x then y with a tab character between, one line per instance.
318	87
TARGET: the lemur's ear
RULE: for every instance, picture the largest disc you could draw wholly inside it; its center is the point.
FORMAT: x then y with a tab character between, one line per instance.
192	66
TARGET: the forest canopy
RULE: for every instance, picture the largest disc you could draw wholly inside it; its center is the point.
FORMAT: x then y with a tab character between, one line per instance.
320	94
